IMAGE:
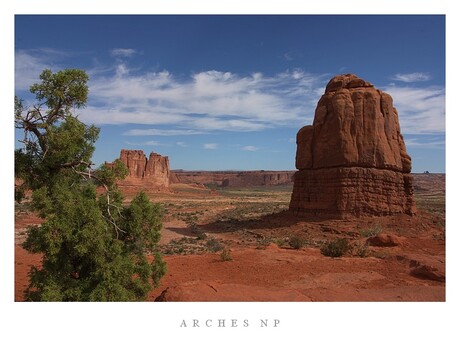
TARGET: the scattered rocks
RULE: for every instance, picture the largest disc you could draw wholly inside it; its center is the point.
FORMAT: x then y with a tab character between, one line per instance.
425	266
428	272
385	240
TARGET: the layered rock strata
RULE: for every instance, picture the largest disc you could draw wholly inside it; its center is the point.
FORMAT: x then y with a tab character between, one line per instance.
233	178
353	159
151	173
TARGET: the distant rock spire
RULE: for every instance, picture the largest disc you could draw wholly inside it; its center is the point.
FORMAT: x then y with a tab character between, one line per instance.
152	173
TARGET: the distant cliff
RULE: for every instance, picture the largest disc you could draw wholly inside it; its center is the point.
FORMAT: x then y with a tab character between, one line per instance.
234	178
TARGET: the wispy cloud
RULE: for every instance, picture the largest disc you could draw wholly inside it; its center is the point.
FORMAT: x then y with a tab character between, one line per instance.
421	110
425	143
181	144
161	132
411	77
29	65
209	100
249	148
146	143
123	52
288	56
211	146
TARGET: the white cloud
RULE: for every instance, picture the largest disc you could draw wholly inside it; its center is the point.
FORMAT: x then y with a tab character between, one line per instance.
288	56
421	110
181	144
209	100
123	52
210	146
412	77
213	100
30	64
249	148
121	70
425	143
146	143
161	132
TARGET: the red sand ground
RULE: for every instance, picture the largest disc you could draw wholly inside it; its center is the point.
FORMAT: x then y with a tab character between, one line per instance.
414	270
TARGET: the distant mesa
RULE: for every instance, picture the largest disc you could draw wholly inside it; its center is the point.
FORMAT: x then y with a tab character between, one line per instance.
353	159
152	173
233	179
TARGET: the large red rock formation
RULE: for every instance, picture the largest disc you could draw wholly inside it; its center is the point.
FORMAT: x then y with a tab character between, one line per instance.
353	159
151	173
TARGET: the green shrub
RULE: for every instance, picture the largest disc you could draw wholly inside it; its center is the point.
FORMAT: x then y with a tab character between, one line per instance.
335	248
214	245
201	236
279	242
372	231
296	242
362	250
225	255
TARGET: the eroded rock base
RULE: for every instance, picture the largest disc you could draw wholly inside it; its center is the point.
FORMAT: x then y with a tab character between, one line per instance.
352	191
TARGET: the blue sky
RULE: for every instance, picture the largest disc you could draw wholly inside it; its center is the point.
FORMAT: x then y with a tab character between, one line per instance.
226	92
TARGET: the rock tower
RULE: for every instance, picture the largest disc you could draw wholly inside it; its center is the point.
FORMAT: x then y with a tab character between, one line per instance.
352	160
151	173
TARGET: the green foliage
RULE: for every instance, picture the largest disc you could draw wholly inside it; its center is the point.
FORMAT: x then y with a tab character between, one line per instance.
201	236
371	231
226	255
335	248
362	250
94	247
214	245
279	242
62	90
296	242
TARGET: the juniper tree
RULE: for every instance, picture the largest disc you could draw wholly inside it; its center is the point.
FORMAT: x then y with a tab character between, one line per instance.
94	247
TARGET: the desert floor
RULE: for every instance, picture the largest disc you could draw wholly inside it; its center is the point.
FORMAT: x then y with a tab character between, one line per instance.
238	245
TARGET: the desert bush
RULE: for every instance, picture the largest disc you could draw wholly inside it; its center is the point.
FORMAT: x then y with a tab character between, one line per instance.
279	242
226	255
379	254
335	248
190	219
296	242
214	245
362	250
201	236
371	231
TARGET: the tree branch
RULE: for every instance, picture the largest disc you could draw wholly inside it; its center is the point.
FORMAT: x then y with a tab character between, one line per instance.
107	193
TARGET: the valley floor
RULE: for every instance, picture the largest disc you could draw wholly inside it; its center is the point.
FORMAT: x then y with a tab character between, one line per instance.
237	245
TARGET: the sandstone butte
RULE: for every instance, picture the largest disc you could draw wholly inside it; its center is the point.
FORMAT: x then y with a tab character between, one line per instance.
353	159
152	173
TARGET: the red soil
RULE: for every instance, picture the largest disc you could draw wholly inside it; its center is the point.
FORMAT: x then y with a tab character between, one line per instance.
401	273
411	270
